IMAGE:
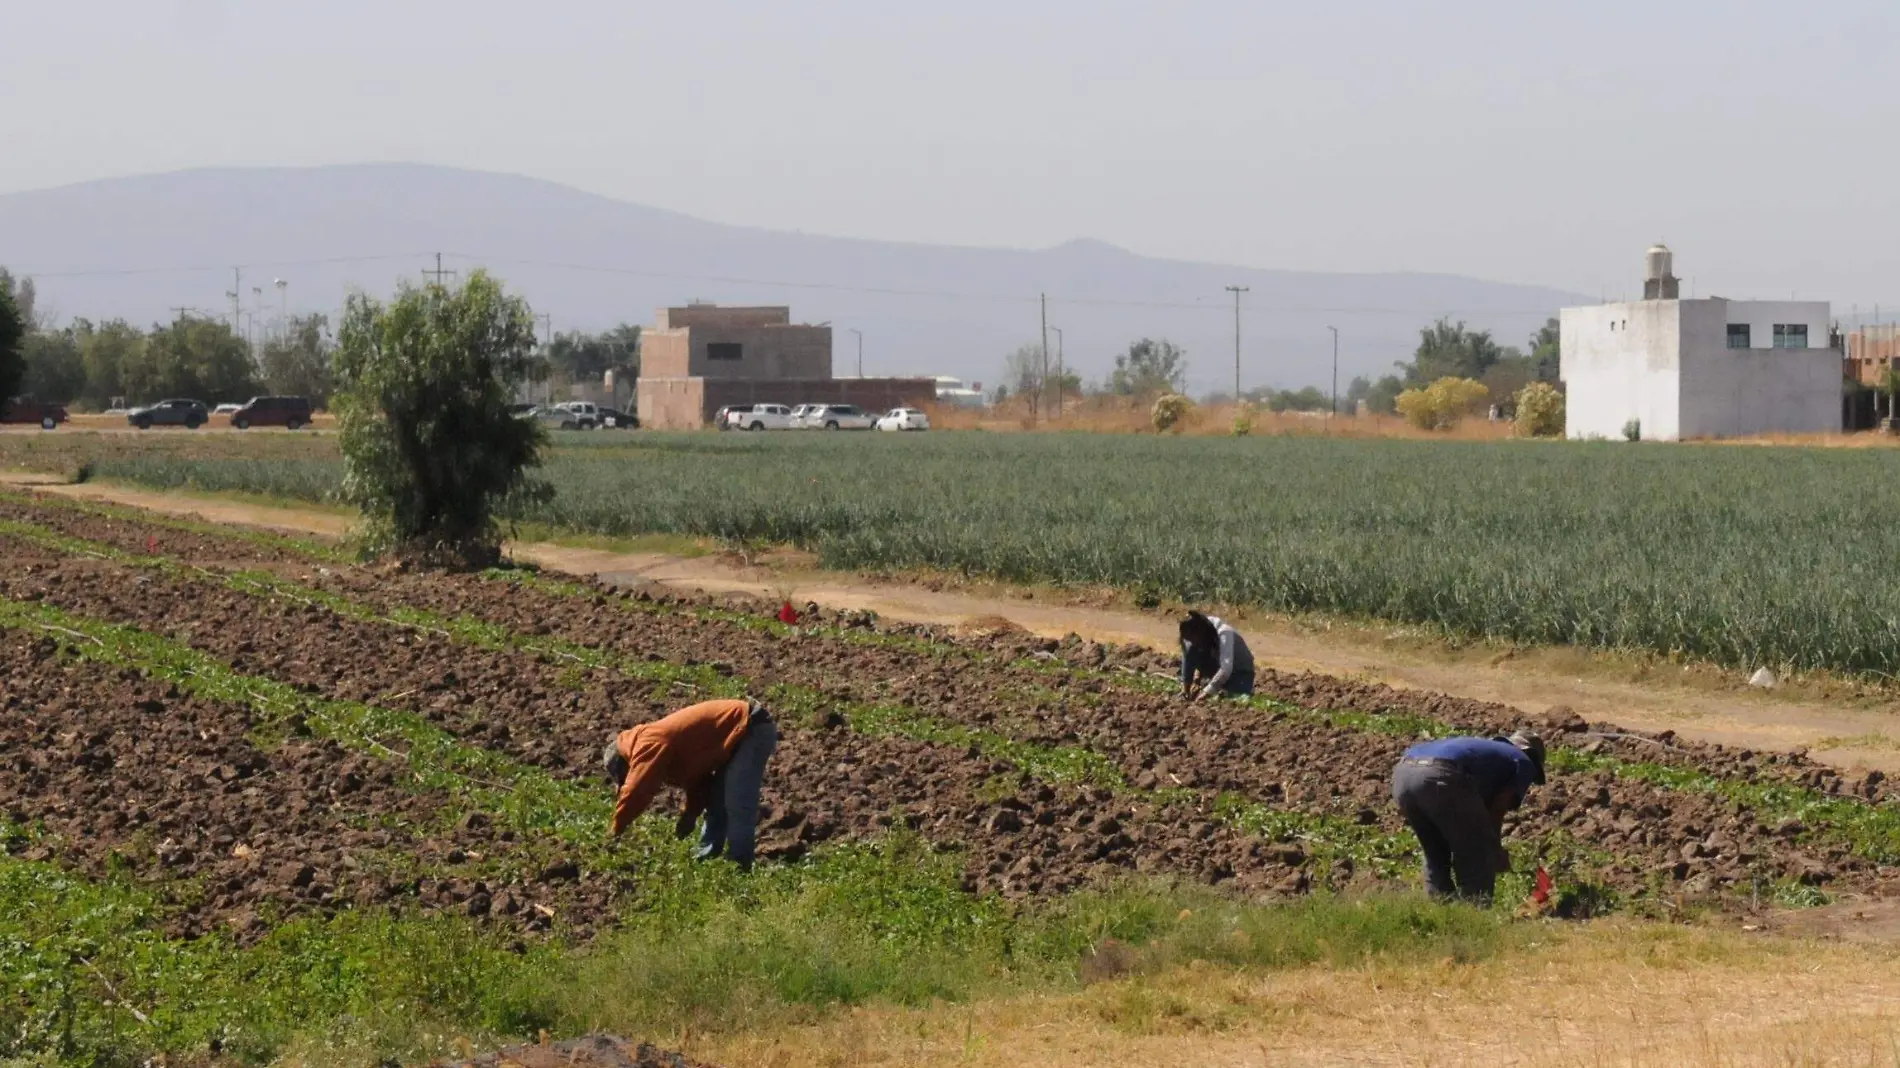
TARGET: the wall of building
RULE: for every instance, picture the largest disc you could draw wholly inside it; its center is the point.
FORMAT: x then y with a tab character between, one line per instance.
689	403
664	353
1871	350
715	316
1620	362
1735	392
783	352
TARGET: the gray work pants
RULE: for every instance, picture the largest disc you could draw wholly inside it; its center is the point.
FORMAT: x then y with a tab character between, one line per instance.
1454	828
732	816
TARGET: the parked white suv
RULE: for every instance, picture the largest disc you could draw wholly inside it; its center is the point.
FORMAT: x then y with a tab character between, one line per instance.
839	417
904	419
799	414
762	417
586	416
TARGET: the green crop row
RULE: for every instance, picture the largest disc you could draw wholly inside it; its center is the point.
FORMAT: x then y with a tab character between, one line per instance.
1739	556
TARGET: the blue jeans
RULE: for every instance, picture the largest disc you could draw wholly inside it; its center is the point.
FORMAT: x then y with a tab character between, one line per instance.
732	816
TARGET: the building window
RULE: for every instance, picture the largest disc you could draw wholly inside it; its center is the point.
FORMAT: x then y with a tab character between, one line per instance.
1738	336
724	350
1791	335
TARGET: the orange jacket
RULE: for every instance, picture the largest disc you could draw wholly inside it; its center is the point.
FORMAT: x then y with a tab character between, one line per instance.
684	750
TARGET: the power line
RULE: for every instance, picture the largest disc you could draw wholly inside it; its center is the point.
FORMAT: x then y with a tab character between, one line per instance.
780	283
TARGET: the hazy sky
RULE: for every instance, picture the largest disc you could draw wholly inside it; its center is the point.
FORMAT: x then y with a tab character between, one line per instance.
1544	142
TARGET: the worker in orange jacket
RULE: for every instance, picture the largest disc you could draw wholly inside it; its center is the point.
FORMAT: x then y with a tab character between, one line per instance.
715	752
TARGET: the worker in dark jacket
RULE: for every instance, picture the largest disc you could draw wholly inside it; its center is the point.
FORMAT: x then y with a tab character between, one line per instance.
1454	793
715	752
1212	650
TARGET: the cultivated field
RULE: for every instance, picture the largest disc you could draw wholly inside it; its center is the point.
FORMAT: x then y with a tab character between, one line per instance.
1743	556
259	801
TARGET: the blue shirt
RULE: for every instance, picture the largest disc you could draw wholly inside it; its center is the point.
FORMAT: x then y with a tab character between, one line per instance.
1495	765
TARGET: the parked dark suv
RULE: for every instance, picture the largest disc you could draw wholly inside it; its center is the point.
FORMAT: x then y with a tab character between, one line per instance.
287	412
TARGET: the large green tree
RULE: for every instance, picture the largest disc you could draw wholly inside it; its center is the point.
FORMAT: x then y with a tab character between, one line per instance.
579	357
297	362
430	448
191	357
104	351
55	371
1148	368
1450	350
12	333
1546	352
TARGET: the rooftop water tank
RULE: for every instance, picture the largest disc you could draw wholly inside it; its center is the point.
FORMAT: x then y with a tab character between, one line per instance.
1659	274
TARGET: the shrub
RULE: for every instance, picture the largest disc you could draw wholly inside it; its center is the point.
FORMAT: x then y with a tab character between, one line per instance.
1633	430
430	448
1169	410
1442	404
1243	419
1540	411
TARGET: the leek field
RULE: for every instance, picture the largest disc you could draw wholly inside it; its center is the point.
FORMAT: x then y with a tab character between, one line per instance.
1745	556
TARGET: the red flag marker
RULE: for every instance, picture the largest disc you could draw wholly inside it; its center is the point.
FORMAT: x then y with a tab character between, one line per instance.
151	544
1541	894
787	614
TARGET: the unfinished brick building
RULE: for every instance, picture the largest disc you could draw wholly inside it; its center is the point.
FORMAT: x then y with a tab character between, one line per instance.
702	357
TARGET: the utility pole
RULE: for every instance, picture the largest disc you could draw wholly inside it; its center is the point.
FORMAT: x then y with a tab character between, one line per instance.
860	335
237	288
1335	331
439	274
1059	349
283	307
1042	386
1237	291
546	346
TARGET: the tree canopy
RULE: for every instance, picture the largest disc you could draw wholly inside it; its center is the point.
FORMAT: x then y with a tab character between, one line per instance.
430	446
297	362
12	333
190	357
1149	368
580	357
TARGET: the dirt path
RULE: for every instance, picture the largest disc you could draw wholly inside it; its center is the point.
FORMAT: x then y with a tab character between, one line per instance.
1850	732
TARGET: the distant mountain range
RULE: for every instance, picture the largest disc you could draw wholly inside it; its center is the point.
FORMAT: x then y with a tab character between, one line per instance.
139	247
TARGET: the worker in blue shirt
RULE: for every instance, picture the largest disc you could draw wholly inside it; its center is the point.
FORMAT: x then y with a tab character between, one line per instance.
1454	793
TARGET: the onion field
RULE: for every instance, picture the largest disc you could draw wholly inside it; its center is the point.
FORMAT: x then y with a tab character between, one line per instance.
1745	556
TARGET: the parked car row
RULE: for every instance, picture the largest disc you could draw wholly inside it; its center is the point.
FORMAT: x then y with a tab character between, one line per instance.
291	413
577	415
816	417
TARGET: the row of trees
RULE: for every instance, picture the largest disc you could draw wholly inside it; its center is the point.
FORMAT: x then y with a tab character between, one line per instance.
91	365
1454	350
1152	368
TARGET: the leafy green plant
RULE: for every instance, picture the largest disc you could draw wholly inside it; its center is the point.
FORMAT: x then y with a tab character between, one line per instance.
430	448
1633	430
1540	411
1169	410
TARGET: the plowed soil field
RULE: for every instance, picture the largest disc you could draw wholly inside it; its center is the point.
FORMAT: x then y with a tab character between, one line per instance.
1044	767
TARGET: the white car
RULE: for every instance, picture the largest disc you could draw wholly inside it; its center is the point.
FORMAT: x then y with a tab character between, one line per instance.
552	418
226	409
762	417
904	419
839	417
799	414
586	416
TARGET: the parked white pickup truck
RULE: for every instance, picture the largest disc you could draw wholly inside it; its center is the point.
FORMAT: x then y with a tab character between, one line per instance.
762	417
838	417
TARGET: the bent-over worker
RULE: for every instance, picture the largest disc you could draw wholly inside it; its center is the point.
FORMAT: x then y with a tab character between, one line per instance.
715	752
1213	650
1454	793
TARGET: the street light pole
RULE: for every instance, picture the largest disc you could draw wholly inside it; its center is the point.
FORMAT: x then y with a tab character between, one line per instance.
1059	351
1236	291
1335	331
860	335
283	306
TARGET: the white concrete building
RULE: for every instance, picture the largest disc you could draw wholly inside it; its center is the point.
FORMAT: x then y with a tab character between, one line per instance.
1705	368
